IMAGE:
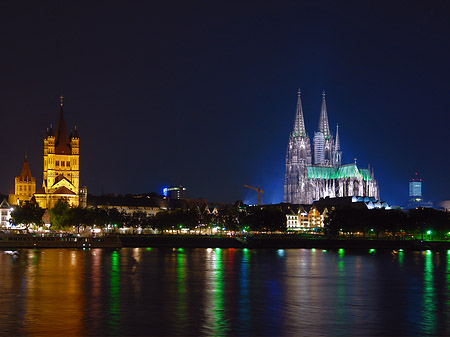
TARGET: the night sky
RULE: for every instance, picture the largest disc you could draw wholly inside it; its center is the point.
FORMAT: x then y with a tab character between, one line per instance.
203	93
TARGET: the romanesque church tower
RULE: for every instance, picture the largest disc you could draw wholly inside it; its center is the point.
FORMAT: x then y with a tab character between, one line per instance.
24	185
61	176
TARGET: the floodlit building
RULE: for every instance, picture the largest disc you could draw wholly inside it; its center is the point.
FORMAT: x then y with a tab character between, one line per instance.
61	175
5	212
415	193
24	186
175	192
305	218
307	180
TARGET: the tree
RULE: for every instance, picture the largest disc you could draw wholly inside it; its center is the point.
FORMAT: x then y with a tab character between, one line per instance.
266	219
60	215
79	217
27	214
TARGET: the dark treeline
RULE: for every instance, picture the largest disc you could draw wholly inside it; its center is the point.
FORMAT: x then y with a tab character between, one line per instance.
392	222
375	222
63	217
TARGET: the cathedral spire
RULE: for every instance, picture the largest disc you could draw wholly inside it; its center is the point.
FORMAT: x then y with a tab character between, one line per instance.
299	124
323	120
337	145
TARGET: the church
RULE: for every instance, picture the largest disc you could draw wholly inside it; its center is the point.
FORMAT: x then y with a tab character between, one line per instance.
61	175
317	172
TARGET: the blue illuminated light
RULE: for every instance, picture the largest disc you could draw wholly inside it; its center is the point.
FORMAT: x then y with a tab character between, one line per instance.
165	191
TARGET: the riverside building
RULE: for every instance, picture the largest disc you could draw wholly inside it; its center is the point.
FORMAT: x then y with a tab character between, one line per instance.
317	172
61	175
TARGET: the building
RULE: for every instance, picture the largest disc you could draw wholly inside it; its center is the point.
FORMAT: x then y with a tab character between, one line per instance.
305	218
415	187
24	186
175	192
415	193
61	175
5	212
307	180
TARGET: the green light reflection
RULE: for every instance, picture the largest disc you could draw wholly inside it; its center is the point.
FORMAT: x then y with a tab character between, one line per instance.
181	287
114	286
217	324
429	295
401	256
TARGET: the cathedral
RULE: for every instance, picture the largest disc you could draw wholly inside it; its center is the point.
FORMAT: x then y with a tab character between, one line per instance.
61	178
317	172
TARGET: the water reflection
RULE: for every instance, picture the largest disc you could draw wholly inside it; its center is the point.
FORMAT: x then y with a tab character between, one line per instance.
429	295
224	292
114	288
216	323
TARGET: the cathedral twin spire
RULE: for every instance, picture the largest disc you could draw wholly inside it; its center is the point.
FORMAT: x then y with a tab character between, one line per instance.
325	148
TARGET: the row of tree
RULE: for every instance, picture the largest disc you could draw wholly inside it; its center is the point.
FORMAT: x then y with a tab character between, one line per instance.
260	219
63	216
394	222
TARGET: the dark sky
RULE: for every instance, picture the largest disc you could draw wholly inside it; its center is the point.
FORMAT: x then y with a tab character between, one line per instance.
203	93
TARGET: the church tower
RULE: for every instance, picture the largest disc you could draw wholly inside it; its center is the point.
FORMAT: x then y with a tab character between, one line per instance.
323	141
298	157
61	176
337	153
24	185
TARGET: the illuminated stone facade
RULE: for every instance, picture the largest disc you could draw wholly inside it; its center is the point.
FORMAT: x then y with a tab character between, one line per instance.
306	181
24	186
61	176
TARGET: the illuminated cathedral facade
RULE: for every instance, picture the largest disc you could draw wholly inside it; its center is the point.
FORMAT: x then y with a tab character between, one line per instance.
61	175
314	172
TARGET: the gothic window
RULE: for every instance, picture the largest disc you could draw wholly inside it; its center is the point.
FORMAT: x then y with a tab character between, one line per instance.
68	164
63	163
57	163
20	188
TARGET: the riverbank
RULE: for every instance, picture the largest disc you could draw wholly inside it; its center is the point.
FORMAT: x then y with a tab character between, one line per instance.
276	241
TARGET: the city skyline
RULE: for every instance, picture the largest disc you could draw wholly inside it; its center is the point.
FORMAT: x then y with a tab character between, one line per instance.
158	99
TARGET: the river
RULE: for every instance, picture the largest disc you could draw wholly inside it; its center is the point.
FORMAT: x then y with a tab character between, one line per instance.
230	292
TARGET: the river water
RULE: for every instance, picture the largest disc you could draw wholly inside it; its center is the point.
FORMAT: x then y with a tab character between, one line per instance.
233	292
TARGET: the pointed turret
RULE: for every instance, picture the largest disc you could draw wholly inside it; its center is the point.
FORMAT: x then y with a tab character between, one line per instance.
25	175
323	120
75	133
337	145
337	153
299	124
61	136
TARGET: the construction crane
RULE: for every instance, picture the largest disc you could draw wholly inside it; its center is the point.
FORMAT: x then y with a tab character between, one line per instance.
259	190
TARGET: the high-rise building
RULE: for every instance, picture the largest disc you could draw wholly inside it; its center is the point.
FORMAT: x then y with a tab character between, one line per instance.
415	187
415	193
175	192
306	181
61	175
24	185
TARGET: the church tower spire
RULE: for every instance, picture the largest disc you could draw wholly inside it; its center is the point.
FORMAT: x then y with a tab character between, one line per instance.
337	153
337	145
299	124
323	120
